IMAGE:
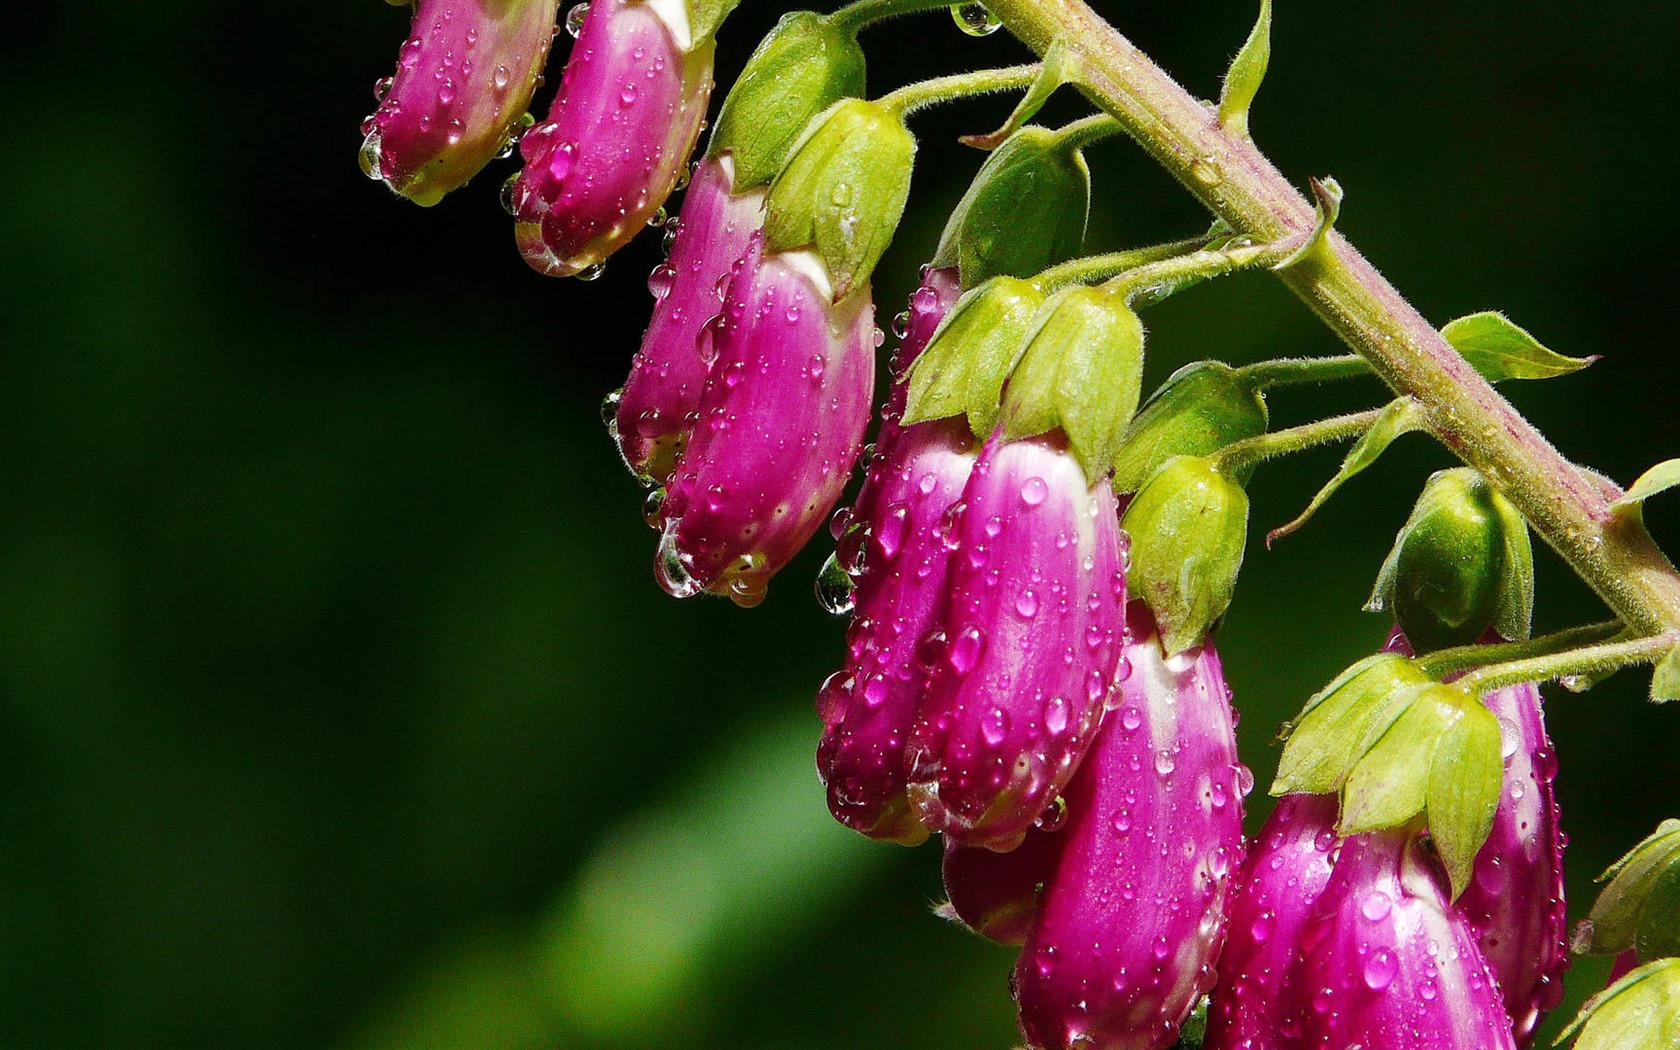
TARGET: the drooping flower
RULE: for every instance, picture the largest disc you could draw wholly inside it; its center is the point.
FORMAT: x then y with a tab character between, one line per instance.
618	135
1132	917
464	79
1032	636
782	418
1286	870
661	399
996	894
1386	962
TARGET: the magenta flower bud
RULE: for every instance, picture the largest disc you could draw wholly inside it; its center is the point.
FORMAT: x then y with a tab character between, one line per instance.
617	137
1131	920
899	594
1286	870
1387	964
1515	900
463	81
782	417
661	399
1032	637
996	894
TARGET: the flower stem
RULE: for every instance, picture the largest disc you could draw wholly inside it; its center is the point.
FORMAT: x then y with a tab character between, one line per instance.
1092	268
1444	663
924	93
1592	660
864	13
1249	451
1565	505
1086	130
1150	283
1293	370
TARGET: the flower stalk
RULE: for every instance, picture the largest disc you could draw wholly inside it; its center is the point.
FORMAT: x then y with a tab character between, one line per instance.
1593	660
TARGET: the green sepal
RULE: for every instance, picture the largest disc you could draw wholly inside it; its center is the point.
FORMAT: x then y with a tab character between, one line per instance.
1623	916
1200	409
705	17
1188	526
1461	564
843	190
1342	720
962	371
1499	350
1080	370
1025	210
1665	678
1660	478
1247	72
1639	1012
801	67
1327	195
1389	784
1465	778
1400	416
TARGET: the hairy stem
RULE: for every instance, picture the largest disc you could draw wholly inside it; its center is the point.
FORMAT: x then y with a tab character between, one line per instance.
1591	660
924	93
1249	451
1568	507
1090	268
1285	371
864	13
1443	663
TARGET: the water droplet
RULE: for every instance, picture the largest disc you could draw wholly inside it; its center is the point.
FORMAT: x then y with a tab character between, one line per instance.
1245	780
628	95
574	19
1264	924
659	218
509	195
372	157
1219	795
652	506
1380	969
669	570
660	281
901	324
592	272
841	195
501	78
995	726
1376	906
975	19
446	92
965	650
1054	816
1056	716
1165	763
834	588
1130	719
1206	171
382	87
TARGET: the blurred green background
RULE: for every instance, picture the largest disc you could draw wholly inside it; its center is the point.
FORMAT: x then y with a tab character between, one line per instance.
337	705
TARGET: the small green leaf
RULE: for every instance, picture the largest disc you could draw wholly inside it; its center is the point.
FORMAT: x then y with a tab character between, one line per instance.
1339	721
706	16
1616	916
1248	70
1514	618
1665	679
964	366
1498	349
1389	784
1327	192
1664	475
1060	66
1639	1012
1464	782
1400	416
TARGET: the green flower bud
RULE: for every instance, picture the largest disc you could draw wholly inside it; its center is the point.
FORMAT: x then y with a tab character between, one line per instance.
1200	409
1461	565
843	190
965	364
800	68
1639	1012
1024	211
1189	525
1640	908
1342	721
1080	370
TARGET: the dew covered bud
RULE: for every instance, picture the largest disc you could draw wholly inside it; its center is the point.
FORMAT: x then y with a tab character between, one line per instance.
1199	410
660	400
464	79
1287	868
1342	721
800	68
1032	637
1189	527
1639	910
843	190
782	417
1132	917
964	367
1515	898
1461	565
1386	964
617	137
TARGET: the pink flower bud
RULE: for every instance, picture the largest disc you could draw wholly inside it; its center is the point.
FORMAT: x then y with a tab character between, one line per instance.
1132	918
1515	900
1032	637
661	399
1387	964
463	80
617	136
996	894
782	417
1280	881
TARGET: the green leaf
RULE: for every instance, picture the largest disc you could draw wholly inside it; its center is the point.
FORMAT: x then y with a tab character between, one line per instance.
1614	922
1339	721
1389	784
1664	475
1400	416
1514	618
1639	1012
1247	72
1665	678
1498	349
1327	192
706	16
1059	66
962	371
1464	783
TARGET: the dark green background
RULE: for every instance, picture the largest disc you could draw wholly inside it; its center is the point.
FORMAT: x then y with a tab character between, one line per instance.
337	705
